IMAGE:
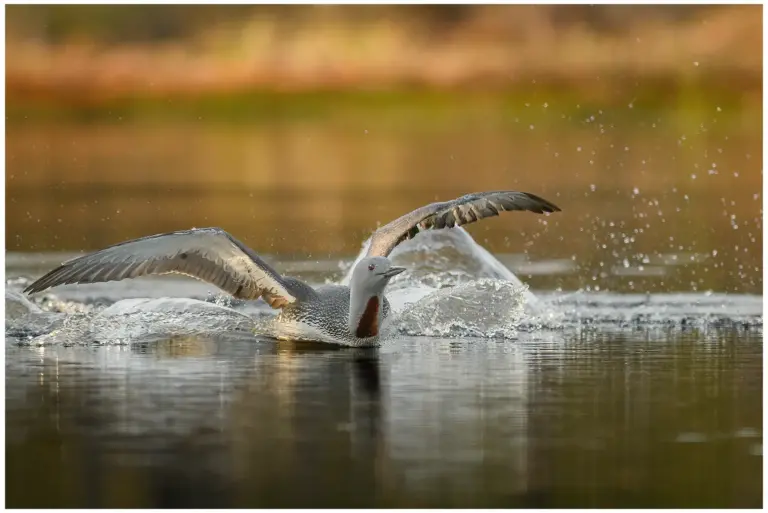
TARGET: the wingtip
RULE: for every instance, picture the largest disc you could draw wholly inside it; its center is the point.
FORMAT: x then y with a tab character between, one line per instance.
32	289
547	207
554	208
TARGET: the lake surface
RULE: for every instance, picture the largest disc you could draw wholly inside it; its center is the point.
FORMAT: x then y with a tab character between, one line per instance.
624	400
637	383
626	419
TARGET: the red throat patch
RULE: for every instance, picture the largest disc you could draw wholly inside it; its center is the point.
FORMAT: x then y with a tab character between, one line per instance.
369	322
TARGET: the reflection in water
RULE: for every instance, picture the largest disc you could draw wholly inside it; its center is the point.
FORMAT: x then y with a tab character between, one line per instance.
549	420
632	405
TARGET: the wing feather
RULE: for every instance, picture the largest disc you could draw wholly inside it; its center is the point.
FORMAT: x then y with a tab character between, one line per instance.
208	254
464	210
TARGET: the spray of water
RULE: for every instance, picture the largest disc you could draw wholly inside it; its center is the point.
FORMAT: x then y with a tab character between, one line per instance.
452	288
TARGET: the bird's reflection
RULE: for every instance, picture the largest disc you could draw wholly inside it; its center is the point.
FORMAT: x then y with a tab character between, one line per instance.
310	414
367	374
362	369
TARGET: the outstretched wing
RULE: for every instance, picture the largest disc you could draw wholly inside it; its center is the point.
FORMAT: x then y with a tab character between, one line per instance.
447	214
208	254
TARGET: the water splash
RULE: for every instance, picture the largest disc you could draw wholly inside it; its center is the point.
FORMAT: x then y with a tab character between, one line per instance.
681	311
25	320
71	330
452	288
437	259
132	320
53	303
17	305
485	308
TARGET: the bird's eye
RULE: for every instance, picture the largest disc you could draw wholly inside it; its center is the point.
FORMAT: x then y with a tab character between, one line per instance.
371	267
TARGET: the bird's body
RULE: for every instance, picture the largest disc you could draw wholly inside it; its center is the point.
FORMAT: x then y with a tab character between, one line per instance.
354	315
324	319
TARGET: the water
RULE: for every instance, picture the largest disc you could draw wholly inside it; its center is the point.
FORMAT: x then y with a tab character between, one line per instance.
608	418
629	375
586	400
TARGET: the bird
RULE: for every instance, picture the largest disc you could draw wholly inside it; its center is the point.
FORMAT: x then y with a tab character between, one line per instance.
354	315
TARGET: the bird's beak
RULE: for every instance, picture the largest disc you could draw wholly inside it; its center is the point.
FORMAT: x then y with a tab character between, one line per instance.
392	271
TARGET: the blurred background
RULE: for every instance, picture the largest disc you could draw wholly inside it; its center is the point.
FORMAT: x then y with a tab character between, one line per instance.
300	128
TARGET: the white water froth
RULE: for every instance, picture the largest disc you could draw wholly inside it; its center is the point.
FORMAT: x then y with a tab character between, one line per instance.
132	320
168	316
17	306
484	308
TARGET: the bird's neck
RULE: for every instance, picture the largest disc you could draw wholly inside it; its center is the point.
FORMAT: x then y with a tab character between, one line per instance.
364	314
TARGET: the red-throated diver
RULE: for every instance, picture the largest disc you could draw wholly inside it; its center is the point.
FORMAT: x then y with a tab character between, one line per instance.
336	314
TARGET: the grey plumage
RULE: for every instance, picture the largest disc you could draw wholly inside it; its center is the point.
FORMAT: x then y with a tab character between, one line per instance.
208	254
331	317
335	314
464	210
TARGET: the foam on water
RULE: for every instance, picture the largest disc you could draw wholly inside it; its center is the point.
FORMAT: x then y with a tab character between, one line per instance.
670	310
132	320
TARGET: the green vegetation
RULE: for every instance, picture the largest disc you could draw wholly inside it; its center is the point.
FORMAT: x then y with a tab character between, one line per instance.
431	109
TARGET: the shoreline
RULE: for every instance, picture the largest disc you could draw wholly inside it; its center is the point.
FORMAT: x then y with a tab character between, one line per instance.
534	101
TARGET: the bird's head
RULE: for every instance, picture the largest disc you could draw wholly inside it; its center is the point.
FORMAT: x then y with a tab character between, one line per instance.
372	274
